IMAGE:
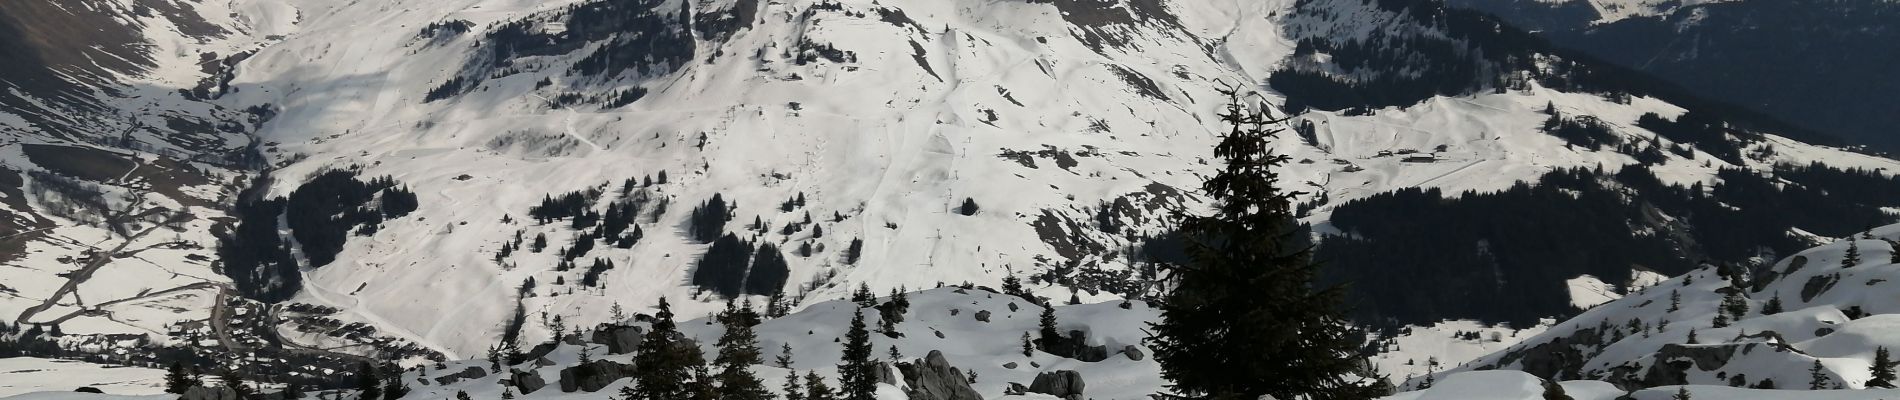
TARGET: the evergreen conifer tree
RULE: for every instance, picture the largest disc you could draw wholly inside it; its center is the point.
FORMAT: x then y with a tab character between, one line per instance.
368	382
462	395
816	389
1046	326
1817	376
1682	393
1882	369
793	391
738	351
231	381
1249	289
857	374
1852	258
177	381
666	361
784	359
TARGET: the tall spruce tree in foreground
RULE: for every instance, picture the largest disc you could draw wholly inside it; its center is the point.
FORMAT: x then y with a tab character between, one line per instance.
857	374
666	361
1245	317
738	351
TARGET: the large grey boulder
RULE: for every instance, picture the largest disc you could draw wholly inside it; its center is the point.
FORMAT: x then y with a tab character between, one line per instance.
886	374
1066	384
983	315
527	381
1134	353
468	373
593	376
619	339
935	379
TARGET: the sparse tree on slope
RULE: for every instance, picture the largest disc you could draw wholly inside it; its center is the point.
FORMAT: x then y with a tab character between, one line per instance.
1817	376
1246	317
1852	258
857	373
1883	373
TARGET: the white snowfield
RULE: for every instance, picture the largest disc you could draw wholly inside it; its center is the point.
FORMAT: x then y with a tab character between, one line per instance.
46	377
888	143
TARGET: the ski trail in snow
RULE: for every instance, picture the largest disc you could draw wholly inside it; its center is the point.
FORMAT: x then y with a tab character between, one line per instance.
1447	174
355	306
567	125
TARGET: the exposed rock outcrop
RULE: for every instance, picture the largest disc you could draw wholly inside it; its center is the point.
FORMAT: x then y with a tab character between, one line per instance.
934	378
1134	353
619	339
468	373
526	381
1066	384
593	376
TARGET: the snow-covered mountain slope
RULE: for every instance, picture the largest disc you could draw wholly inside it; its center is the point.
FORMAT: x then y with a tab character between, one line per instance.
30	375
979	332
854	132
115	175
1073	127
1739	328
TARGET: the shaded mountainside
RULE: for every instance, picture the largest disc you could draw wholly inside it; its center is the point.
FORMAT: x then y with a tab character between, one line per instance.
1812	320
1819	64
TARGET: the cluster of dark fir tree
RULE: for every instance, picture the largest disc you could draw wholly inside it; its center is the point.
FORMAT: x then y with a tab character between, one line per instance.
321	214
734	266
